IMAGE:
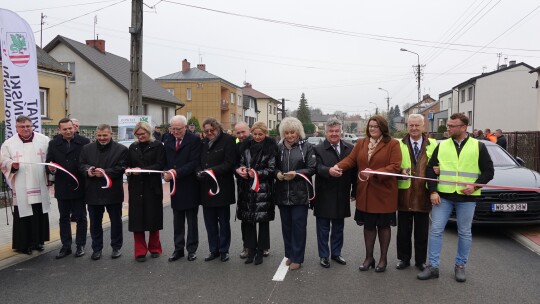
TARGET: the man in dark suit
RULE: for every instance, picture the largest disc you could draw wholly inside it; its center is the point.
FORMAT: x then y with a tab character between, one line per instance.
333	200
65	150
183	150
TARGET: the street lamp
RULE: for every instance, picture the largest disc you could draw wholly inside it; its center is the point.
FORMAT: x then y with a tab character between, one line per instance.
387	100
418	72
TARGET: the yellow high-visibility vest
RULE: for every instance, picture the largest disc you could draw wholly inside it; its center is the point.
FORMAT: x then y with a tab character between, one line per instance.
453	168
406	162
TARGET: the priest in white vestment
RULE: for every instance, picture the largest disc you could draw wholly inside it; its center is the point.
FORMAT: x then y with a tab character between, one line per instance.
29	184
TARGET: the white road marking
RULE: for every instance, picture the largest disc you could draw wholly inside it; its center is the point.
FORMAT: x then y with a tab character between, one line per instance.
281	272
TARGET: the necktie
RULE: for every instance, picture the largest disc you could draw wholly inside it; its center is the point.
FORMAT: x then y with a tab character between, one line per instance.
178	141
416	150
336	148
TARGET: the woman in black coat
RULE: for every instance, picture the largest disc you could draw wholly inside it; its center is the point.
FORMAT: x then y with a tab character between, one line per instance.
145	191
218	154
256	206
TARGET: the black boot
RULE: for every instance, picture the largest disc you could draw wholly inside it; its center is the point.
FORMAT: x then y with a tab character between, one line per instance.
259	257
250	256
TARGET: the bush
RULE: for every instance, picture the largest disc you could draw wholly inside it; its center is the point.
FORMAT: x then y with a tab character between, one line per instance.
441	129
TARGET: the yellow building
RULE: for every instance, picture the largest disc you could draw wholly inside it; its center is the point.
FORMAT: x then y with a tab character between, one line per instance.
205	95
53	81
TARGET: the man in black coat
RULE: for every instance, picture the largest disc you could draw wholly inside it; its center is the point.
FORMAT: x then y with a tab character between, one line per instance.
109	156
219	155
501	139
65	150
241	129
333	201
183	152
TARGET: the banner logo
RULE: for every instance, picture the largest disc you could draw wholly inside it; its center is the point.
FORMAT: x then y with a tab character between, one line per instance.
19	53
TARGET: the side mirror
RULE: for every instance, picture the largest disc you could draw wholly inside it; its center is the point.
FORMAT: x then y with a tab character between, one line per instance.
520	161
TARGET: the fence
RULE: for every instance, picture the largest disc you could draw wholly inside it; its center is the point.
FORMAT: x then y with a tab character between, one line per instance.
525	145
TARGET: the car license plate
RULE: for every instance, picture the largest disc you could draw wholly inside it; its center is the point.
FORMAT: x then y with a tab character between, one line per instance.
508	207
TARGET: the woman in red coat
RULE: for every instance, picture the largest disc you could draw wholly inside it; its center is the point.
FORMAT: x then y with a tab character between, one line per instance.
376	195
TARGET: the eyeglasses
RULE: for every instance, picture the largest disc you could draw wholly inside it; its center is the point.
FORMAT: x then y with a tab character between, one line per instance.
208	131
177	129
452	126
373	127
140	134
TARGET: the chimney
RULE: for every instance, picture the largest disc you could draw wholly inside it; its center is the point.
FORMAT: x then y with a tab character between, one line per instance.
201	66
512	62
98	44
185	66
247	84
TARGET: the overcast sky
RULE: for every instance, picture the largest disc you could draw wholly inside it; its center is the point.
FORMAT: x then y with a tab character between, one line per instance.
336	52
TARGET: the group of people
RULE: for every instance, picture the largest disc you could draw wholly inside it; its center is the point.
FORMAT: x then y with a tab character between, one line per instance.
292	174
497	137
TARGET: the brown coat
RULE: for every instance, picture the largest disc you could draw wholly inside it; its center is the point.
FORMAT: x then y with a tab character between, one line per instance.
379	193
416	197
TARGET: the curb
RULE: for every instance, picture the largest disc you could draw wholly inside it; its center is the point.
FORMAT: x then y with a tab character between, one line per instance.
525	241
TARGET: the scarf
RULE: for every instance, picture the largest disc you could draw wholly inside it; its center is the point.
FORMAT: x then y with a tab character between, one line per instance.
372	145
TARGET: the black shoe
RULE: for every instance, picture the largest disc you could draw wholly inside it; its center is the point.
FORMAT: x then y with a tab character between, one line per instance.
176	255
420	266
140	258
155	255
460	273
39	247
96	255
250	256
339	259
79	252
266	252
212	256
224	256
27	251
63	253
116	253
428	273
366	267
325	263
259	257
244	253
191	256
380	268
402	264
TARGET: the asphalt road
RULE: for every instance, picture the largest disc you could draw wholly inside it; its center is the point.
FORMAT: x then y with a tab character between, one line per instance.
499	271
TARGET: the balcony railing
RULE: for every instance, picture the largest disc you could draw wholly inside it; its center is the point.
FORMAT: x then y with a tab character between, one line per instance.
224	105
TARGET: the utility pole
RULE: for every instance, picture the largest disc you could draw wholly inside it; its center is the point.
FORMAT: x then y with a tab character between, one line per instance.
282	108
41	30
417	72
135	91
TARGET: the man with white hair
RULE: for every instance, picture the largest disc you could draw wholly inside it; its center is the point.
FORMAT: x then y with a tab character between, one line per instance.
183	150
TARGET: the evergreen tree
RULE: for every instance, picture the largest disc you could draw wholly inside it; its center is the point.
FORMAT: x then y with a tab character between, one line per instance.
304	115
195	121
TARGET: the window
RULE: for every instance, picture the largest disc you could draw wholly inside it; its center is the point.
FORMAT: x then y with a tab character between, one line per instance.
251	103
144	109
239	102
71	67
232	98
269	123
43	101
164	115
233	118
188	94
462	95
188	115
469	93
171	91
469	114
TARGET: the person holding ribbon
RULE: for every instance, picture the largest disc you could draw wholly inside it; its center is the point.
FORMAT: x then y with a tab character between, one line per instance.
295	164
22	164
183	152
65	151
255	201
103	162
376	195
216	176
145	191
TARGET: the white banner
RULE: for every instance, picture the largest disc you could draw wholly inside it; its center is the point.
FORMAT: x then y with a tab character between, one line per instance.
19	71
126	124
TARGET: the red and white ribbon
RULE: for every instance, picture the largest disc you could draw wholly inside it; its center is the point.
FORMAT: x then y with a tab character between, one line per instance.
310	183
213	176
453	182
171	171
53	164
255	186
108	180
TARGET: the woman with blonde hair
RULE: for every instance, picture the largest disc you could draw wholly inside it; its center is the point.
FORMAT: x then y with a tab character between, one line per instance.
145	191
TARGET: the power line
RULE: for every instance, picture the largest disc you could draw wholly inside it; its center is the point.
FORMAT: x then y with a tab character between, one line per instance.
64	6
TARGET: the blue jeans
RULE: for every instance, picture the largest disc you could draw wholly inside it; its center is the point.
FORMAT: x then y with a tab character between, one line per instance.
439	217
